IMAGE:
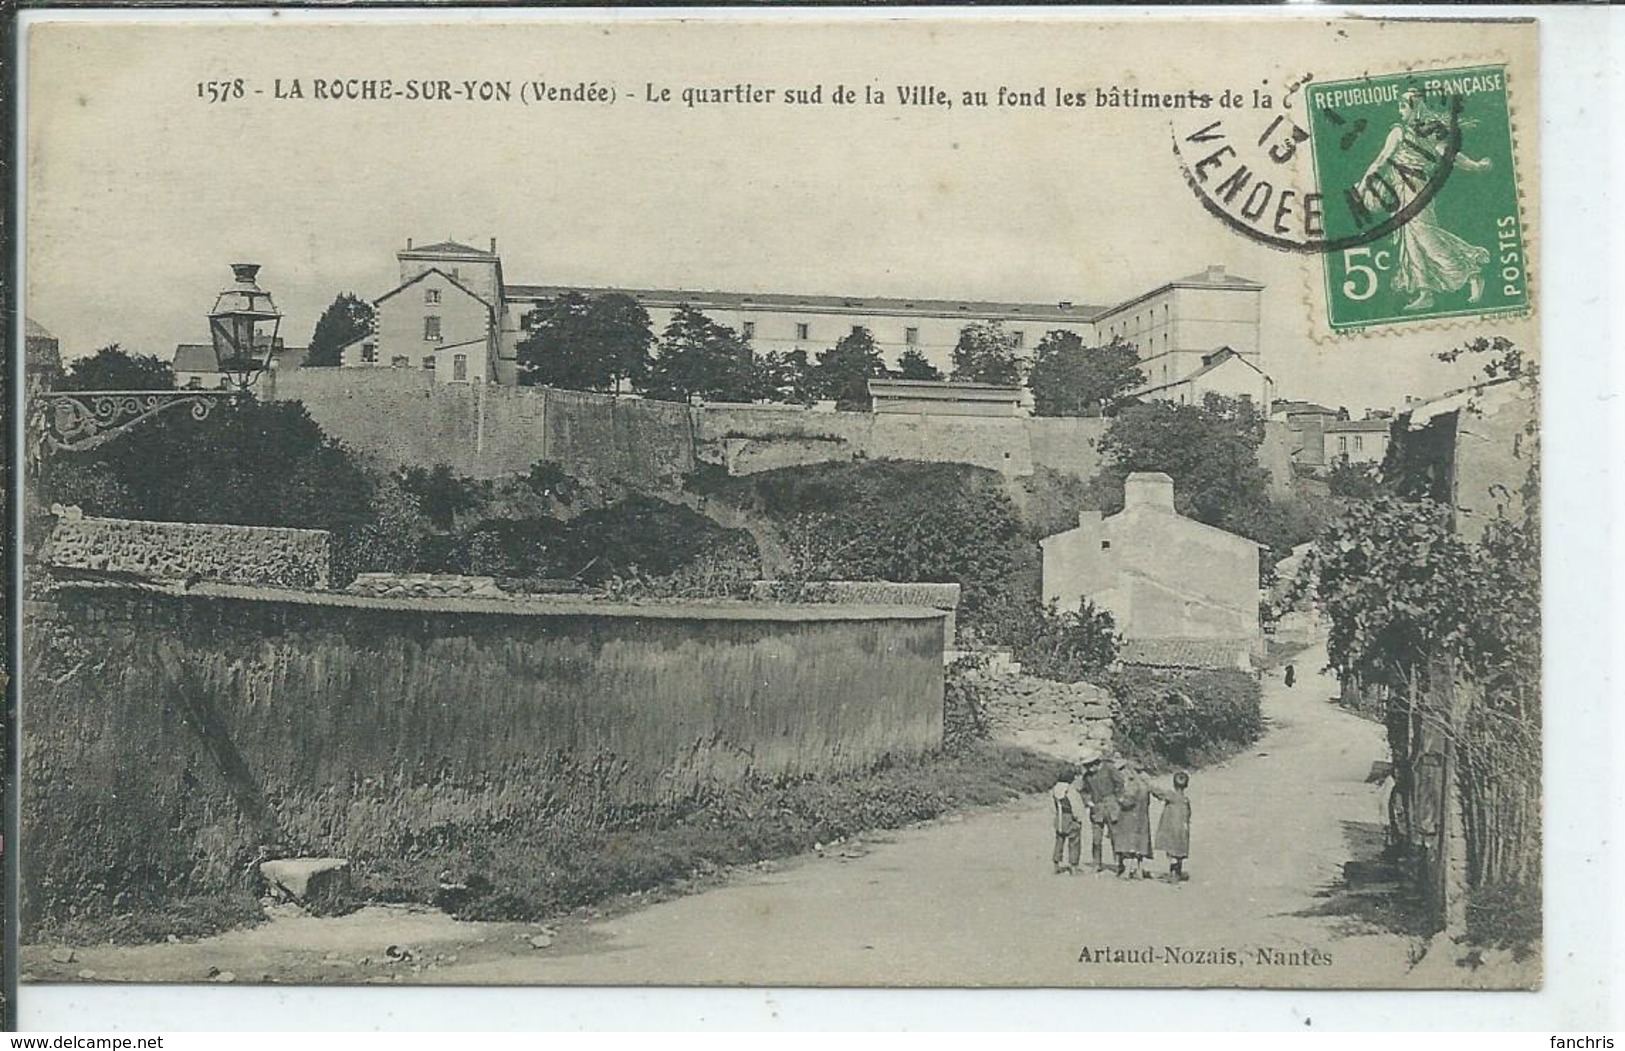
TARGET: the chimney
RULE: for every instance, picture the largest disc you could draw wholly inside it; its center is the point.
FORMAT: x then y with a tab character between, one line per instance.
1215	273
493	246
408	244
1151	490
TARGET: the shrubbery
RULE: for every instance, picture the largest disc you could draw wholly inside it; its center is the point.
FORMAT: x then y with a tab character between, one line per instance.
1185	718
895	520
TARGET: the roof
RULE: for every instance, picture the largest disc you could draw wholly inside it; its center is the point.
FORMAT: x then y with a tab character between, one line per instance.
1212	277
199	357
1481	395
941	390
1210	361
448	248
1365	426
34	330
1185	653
1301	408
1077	313
434	270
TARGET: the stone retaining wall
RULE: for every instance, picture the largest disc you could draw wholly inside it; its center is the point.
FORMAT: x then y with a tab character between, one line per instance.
264	556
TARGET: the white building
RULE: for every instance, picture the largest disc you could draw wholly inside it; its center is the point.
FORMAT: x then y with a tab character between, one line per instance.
454	313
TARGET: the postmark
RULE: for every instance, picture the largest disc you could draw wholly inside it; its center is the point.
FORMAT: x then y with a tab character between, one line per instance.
1434	149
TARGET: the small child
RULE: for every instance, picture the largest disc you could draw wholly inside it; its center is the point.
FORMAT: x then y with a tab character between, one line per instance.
1066	800
1174	826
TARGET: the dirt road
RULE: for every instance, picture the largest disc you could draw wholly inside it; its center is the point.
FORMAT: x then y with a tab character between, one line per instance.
970	900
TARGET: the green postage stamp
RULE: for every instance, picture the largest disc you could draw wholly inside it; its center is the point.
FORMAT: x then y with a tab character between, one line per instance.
1421	207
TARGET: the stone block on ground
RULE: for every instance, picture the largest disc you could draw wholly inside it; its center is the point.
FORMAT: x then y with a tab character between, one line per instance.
319	884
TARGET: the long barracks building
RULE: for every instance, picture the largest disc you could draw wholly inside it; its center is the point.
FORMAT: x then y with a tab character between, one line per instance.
455	313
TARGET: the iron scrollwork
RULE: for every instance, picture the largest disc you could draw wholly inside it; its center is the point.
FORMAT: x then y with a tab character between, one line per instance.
82	420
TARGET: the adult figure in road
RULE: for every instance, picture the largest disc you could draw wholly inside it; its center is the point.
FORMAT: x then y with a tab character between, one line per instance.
1102	787
1131	839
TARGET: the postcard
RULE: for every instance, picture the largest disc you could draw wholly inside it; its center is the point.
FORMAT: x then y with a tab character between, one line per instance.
1037	501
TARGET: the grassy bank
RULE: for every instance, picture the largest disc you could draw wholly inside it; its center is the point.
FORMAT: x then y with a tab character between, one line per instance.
533	872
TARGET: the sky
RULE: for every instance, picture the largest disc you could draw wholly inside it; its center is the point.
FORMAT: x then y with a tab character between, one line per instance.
139	192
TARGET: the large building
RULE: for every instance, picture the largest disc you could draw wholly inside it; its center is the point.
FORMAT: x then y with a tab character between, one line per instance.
453	313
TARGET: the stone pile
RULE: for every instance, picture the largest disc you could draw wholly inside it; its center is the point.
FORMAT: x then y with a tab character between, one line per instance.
425	585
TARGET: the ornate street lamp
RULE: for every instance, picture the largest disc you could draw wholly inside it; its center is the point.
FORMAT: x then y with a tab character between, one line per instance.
243	328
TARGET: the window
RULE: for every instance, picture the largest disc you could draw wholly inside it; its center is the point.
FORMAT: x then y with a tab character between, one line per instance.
1020	339
801	330
911	336
456	274
225	383
858	330
428	361
459	367
1343	445
1359	443
431	328
400	361
369	352
431	296
748	330
1105	545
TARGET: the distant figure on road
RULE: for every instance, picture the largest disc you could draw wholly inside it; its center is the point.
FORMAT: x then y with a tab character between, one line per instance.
1066	799
1132	836
1174	826
1291	675
1101	787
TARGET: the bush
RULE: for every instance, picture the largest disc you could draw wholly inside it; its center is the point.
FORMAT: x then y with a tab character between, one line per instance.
636	538
1068	647
896	520
1185	718
964	703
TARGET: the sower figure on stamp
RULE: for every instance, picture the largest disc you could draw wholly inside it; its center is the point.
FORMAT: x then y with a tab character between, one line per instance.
1102	786
1066	800
1431	258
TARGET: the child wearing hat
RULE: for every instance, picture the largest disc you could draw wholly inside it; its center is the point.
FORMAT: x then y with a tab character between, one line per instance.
1066	800
1174	826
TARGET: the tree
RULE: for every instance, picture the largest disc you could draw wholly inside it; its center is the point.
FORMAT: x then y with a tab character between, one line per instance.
246	463
913	365
1209	450
1070	379
579	343
345	320
441	493
842	372
785	376
986	353
697	357
113	368
1355	481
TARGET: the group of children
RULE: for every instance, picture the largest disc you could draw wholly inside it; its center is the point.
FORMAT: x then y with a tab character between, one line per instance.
1115	797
